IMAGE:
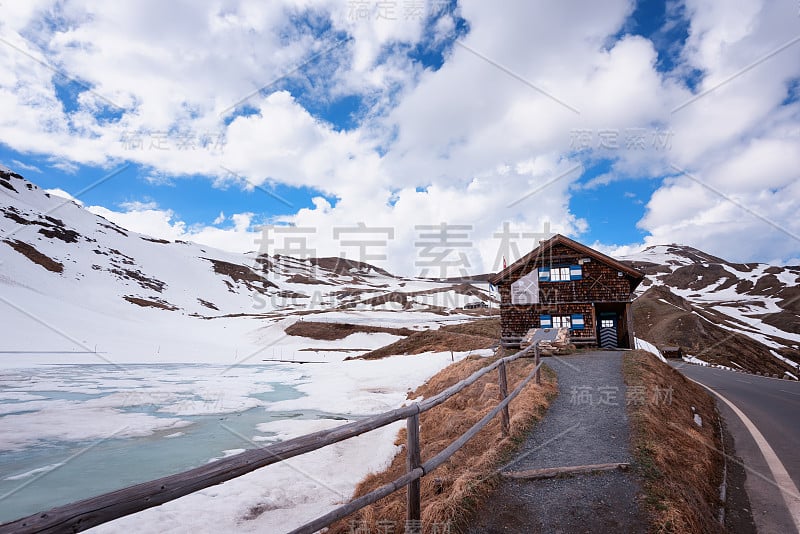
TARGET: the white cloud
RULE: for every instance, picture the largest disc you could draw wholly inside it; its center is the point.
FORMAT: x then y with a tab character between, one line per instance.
153	222
138	205
495	123
25	167
146	218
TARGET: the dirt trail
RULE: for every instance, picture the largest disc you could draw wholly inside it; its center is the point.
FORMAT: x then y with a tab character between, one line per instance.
587	424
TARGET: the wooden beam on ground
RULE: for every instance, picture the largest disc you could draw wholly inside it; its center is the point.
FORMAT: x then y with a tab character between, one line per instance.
552	472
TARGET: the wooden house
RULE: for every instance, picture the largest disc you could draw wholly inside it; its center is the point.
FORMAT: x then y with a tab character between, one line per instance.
563	283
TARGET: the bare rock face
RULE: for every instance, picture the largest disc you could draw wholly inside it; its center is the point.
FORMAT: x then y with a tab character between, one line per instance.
552	341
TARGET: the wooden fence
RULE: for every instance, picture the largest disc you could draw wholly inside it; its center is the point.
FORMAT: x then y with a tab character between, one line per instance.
94	511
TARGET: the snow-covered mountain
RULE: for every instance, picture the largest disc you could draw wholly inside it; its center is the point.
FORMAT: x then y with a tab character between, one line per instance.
71	280
743	315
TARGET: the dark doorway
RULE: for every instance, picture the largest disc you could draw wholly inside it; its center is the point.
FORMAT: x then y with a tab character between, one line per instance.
607	330
612	325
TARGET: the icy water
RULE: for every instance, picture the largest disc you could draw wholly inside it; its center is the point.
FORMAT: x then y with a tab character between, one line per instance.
72	432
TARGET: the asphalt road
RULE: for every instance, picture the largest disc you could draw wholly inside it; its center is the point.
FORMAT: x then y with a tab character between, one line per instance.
774	408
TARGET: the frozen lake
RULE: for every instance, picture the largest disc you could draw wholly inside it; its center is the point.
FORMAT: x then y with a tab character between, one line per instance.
74	431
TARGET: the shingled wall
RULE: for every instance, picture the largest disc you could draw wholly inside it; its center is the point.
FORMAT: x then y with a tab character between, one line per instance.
600	283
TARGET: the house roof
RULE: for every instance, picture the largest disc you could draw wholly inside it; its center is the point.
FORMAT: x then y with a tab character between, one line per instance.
530	258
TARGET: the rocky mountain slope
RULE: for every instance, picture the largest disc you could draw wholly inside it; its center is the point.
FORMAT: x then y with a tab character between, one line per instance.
742	315
70	280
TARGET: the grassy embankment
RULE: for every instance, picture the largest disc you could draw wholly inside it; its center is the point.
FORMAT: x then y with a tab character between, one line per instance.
676	458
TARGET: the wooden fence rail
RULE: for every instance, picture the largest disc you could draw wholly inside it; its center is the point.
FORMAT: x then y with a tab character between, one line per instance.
94	511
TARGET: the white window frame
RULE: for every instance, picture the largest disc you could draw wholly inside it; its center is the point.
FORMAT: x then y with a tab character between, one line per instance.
562	321
559	274
606	323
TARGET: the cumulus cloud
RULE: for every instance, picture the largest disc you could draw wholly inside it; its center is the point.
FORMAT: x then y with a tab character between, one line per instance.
149	219
494	136
25	167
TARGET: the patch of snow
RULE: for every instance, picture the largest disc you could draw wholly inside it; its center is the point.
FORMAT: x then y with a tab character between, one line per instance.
63	194
697	361
671	304
27	474
286	495
227	454
785	359
360	387
57	423
649	347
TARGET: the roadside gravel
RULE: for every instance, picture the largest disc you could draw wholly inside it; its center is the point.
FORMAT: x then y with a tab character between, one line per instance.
586	424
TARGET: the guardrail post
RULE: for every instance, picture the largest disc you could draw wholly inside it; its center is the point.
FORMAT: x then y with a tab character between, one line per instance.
413	461
536	362
501	378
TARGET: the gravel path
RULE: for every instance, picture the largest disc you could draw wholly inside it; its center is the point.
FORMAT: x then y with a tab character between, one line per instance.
585	424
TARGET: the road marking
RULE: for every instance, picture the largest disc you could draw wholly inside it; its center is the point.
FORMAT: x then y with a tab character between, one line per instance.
791	496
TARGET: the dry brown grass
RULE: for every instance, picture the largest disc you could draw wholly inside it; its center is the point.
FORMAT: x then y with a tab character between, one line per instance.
333	331
150	303
474	335
677	459
482	327
35	256
431	341
449	494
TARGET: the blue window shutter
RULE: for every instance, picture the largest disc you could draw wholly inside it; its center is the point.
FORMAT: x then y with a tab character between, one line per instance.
575	272
544	274
546	321
577	321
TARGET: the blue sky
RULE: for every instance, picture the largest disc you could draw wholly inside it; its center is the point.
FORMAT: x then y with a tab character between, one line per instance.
382	117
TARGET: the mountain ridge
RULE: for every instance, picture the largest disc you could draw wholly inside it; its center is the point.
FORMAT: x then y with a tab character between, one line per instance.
58	257
736	310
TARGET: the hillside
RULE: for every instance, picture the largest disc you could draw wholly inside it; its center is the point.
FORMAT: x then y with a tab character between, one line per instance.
744	316
76	282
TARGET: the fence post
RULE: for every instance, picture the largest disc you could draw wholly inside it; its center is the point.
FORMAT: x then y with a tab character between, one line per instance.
413	461
536	362
501	378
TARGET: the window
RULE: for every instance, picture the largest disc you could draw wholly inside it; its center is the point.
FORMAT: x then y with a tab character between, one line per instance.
606	323
574	321
560	274
562	321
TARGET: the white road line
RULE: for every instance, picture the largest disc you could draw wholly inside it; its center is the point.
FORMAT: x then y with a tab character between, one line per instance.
791	496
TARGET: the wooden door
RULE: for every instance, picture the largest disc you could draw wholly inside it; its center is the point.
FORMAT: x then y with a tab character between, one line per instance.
608	330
